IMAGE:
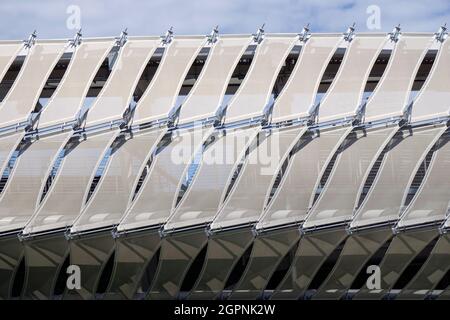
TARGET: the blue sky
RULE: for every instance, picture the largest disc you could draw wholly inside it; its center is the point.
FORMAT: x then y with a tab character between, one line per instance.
153	17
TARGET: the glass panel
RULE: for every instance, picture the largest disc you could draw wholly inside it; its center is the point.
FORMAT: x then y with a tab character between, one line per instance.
23	96
300	91
224	251
357	251
177	254
246	201
391	95
70	184
44	256
115	189
161	94
209	90
8	52
202	199
291	201
267	253
385	199
337	201
312	252
21	193
69	96
403	249
345	94
433	99
254	92
431	202
431	272
156	198
118	90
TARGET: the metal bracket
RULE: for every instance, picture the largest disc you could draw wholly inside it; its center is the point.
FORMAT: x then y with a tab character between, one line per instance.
167	38
314	114
173	117
220	116
350	33
128	114
122	39
305	34
406	117
213	36
394	35
259	35
76	41
267	113
360	113
442	34
80	119
31	41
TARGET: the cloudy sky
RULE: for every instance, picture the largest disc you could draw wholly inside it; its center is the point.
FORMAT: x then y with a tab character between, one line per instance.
58	19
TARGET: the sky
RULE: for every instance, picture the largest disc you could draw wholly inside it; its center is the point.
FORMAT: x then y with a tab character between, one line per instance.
60	19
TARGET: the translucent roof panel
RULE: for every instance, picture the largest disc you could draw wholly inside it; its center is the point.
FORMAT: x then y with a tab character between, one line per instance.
291	201
432	100
246	201
24	94
386	196
115	189
20	195
210	87
158	193
432	200
202	199
337	200
300	91
162	93
345	94
117	93
8	52
71	184
254	92
392	94
70	94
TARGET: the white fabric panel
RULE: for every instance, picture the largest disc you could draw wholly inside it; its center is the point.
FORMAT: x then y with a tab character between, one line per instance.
292	199
158	193
161	94
432	200
70	94
386	196
254	92
345	94
432	100
210	87
392	93
119	88
300	91
246	201
24	94
203	197
21	193
8	52
338	199
115	188
71	184
8	144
